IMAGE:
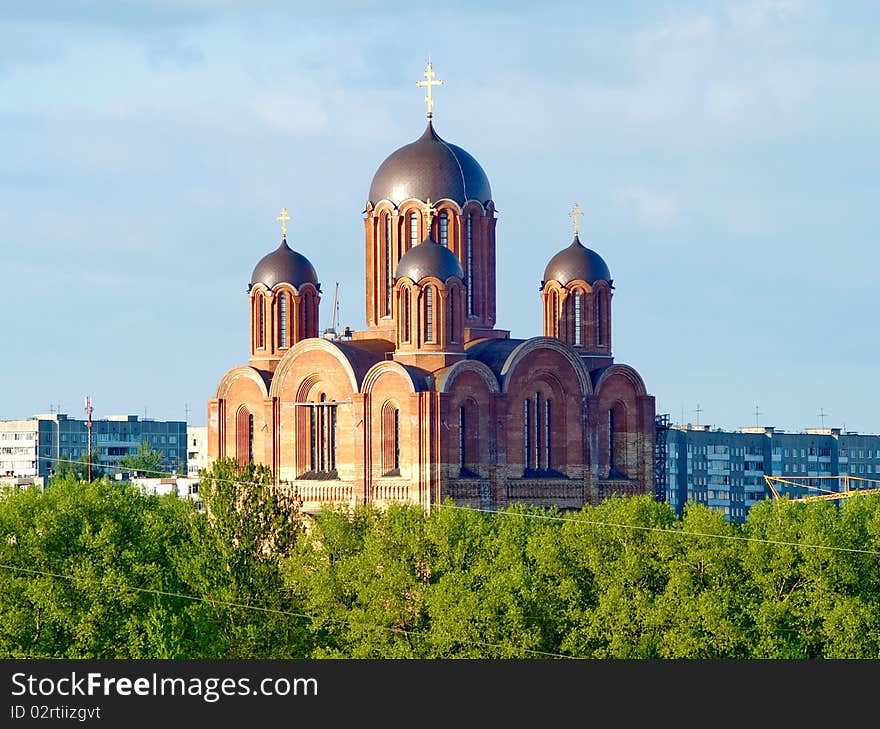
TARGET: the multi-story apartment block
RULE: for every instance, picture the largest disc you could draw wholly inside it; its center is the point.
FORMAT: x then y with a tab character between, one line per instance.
725	469
32	450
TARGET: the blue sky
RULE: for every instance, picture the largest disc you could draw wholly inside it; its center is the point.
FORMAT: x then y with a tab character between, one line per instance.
725	154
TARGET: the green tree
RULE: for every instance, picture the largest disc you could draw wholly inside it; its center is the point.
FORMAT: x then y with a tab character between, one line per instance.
147	461
232	562
71	556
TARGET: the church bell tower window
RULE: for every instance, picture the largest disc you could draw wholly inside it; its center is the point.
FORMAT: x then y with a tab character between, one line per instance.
413	230
578	318
389	274
429	314
443	223
282	320
470	265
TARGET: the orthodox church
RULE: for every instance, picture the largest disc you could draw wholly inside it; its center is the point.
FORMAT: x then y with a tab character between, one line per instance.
431	401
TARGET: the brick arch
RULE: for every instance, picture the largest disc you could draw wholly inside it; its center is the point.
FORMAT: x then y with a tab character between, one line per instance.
445	379
234	374
390	436
625	371
310	345
548	343
382	368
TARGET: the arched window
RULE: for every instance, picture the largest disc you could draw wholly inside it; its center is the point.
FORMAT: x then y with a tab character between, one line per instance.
389	273
282	320
413	229
617	441
470	265
443	225
429	314
404	314
390	440
453	303
261	322
322	436
244	436
467	438
306	315
600	314
578	318
547	438
554	313
527	439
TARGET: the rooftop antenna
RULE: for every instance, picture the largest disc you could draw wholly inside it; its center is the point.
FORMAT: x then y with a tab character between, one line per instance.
822	415
186	411
698	411
330	332
758	413
88	409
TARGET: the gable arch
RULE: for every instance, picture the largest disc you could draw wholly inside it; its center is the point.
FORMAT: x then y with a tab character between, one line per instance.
310	345
538	343
444	379
236	373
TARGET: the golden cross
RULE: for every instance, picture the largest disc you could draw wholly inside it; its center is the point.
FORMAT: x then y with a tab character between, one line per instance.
429	82
429	212
284	217
574	215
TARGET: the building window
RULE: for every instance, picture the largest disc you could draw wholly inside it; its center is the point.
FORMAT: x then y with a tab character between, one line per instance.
244	436
547	462
453	303
600	314
617	441
577	318
554	314
390	440
404	314
389	274
322	436
282	320
527	435
261	322
443	224
413	230
470	265
429	314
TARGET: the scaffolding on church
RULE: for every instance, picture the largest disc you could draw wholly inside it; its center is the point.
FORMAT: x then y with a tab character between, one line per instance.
661	430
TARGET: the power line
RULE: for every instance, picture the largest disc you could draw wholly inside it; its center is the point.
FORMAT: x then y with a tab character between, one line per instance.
551	517
260	608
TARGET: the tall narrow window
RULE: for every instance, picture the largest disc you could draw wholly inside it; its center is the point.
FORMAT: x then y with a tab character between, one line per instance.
443	224
389	273
261	322
600	314
305	330
554	314
322	435
453	302
527	442
611	453
390	440
429	314
470	265
396	460
244	436
313	438
461	437
413	230
547	434
282	320
578	318
538	434
404	314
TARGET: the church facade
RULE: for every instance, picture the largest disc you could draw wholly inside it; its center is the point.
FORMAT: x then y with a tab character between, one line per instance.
432	401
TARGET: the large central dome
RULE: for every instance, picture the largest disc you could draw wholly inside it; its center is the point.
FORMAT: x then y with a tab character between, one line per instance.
430	168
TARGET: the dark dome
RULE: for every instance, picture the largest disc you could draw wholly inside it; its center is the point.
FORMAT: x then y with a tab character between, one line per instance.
577	262
429	258
430	168
284	265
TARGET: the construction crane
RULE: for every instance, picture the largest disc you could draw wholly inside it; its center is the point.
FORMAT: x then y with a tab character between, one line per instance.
825	494
330	332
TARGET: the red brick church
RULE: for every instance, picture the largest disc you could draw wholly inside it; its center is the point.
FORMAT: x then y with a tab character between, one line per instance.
431	401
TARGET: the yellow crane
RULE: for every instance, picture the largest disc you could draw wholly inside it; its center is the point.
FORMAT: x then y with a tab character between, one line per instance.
825	494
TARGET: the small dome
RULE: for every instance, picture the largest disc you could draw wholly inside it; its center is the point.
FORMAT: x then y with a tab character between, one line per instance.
429	258
284	265
577	263
430	168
